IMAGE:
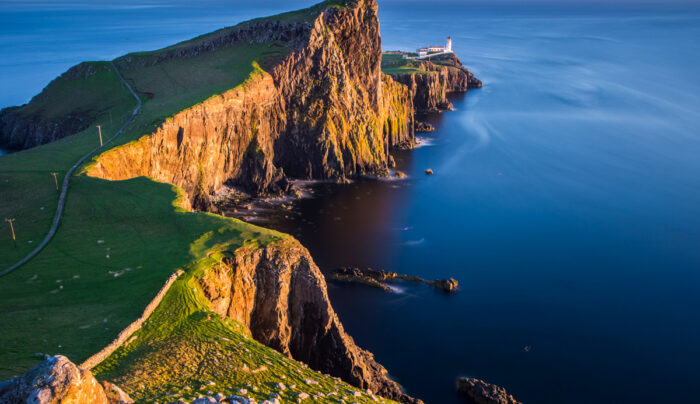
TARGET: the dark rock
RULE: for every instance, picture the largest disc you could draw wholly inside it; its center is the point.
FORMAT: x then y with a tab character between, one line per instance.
447	285
481	392
377	277
424	127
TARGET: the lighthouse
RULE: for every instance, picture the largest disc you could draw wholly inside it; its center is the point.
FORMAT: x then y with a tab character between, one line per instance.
448	48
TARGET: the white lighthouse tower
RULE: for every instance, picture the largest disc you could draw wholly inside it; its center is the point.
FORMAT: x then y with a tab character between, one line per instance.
448	48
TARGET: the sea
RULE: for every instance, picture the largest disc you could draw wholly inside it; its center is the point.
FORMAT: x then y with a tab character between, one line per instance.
565	197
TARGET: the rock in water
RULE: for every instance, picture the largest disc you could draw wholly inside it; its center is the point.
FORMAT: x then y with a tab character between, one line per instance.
484	393
58	380
447	285
423	127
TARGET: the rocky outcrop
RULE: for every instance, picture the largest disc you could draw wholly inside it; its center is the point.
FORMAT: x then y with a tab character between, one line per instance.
424	127
481	392
280	294
325	111
57	380
446	75
378	278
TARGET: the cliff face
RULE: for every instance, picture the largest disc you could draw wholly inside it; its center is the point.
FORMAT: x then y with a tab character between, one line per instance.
325	111
280	294
429	91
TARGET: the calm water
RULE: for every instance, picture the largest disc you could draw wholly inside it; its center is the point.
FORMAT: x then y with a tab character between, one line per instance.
566	195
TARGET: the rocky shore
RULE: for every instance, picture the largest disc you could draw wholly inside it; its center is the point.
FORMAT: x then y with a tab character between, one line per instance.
378	278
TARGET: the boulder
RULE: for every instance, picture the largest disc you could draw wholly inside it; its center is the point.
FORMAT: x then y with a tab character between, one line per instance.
447	285
58	380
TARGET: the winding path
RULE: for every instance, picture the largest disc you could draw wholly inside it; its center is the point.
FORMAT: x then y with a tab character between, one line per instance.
64	188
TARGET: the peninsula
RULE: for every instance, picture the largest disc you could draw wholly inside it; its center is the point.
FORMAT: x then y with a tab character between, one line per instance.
142	286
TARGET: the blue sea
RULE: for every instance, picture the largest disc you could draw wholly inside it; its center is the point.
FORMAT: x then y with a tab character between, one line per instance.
565	199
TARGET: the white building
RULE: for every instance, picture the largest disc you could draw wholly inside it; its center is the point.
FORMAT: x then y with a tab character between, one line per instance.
435	49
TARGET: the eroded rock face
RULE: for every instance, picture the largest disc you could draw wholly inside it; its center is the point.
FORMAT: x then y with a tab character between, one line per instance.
325	111
481	392
280	294
58	380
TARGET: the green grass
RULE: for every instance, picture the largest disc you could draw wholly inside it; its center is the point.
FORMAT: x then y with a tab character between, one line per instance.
394	64
184	344
118	243
91	96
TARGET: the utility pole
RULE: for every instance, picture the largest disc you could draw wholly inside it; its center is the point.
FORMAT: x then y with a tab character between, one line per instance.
12	228
55	179
99	128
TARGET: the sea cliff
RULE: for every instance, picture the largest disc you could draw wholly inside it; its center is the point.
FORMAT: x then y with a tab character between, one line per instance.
325	111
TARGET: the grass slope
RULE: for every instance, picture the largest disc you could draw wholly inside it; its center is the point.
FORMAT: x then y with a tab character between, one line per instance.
395	64
119	241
